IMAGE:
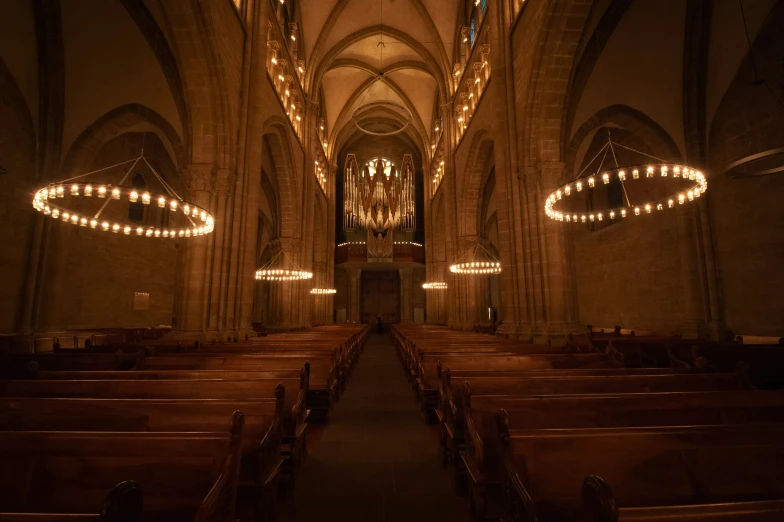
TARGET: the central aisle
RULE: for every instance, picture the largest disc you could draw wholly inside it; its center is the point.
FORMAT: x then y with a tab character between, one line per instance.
376	460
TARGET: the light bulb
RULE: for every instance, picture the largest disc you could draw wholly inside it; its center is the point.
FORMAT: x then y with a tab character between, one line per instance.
127	231
161	202
55	213
173	206
599	216
567	190
93	223
134	196
623	213
648	208
676	172
670	203
664	171
612	214
622	175
681	199
88	191
636	211
74	219
115	228
101	191
636	174
139	231
105	226
591	182
66	216
60	191
157	233
83	222
115	193
186	210
146	198
659	206
606	178
579	186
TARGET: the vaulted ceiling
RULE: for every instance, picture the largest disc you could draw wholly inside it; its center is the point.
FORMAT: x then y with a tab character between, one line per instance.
365	55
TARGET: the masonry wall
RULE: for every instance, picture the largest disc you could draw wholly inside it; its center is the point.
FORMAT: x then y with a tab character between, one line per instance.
91	276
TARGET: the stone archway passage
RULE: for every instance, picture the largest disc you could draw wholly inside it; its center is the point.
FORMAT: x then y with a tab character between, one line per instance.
376	460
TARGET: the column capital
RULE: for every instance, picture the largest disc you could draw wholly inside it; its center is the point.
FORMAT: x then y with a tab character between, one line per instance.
199	177
224	181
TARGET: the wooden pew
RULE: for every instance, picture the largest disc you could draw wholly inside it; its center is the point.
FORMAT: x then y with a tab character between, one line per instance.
428	376
294	416
480	458
182	476
648	467
261	444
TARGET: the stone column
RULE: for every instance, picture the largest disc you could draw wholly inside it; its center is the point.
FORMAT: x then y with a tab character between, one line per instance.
355	289
406	295
200	180
694	326
224	186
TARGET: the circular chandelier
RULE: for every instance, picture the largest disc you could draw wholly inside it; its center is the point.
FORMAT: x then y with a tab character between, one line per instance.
271	272
407	112
323	291
670	172
479	261
437	285
50	201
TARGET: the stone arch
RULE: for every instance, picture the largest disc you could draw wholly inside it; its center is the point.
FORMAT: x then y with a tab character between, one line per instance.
553	64
17	164
118	121
276	140
639	124
480	158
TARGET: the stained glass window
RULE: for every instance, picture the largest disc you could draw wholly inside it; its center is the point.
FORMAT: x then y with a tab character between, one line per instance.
473	30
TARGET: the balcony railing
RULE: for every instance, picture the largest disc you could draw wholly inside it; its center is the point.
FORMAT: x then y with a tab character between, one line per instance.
358	253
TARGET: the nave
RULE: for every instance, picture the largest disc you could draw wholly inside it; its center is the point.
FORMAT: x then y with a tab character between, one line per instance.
376	460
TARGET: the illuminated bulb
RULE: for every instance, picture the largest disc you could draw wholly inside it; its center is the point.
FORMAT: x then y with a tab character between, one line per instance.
60	191
161	202
157	233
186	210
648	208
693	175
146	198
203	216
612	214
66	216
623	212
101	191
592	217
127	231
134	196
115	193
574	218
591	182
664	171
681	199
636	211
582	218
606	178
115	228
622	175
558	194
55	213
275	61
691	195
676	172
74	190
93	223
83	222
670	203
148	233
659	206
599	216
165	233
568	218
105	226
173	206
88	190
477	80
579	186
568	190
52	193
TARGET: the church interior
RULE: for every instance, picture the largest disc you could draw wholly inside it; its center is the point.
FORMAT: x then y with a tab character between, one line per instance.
392	260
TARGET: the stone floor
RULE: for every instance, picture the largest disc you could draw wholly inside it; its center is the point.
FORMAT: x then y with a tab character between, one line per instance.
376	460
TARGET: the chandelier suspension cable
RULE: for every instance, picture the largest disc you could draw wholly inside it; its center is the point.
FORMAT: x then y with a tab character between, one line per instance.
128	172
615	159
100	170
166	186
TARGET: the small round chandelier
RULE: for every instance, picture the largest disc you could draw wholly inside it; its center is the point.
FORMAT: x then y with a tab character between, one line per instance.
283	270
436	285
323	291
50	201
477	261
692	184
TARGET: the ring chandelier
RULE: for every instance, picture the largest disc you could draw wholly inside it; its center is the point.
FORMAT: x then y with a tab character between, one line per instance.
437	285
271	272
323	291
46	201
410	117
482	262
662	170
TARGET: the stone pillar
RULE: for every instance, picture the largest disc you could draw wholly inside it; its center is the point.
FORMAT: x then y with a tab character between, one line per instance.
406	295
694	326
200	180
355	289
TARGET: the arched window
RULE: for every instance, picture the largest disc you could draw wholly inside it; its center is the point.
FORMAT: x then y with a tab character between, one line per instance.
473	29
484	6
136	210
